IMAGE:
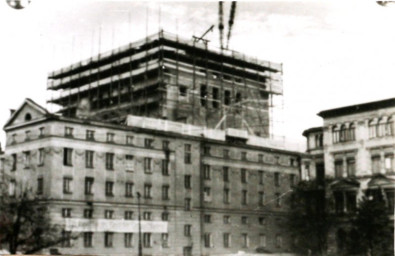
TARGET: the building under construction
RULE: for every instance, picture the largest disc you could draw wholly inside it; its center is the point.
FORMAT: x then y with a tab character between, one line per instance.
163	76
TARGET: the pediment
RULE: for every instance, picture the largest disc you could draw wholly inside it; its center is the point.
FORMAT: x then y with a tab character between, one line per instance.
27	112
380	181
345	184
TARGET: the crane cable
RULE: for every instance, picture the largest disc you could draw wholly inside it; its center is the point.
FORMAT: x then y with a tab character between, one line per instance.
221	24
231	21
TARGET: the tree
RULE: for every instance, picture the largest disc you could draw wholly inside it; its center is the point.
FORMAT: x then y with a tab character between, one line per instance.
372	224
309	222
25	225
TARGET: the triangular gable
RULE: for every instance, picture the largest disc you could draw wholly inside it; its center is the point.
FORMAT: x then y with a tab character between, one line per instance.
28	107
345	184
379	181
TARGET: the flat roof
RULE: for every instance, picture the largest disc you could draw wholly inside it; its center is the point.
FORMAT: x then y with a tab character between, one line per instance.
313	129
358	108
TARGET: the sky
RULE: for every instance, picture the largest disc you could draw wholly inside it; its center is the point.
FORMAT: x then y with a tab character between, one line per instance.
334	53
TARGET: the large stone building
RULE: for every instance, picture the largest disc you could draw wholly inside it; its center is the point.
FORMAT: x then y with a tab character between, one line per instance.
356	148
183	135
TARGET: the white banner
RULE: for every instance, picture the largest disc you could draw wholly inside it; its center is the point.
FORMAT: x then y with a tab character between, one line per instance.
118	226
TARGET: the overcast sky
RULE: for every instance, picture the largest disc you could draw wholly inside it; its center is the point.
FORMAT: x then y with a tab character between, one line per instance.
334	53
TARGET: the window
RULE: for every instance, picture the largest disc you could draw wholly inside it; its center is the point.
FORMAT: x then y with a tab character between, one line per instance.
335	134
67	156
147	215
28	117
260	158
165	167
389	163
165	240
207	240
187	204
68	132
227	98
343	131
244	220
108	239
66	239
109	188
244	197
110	137
165	145
129	163
90	135
89	185
187	230
226	196
67	185
13	139
41	156
187	251
88	213
89	158
147	191
183	91
128	189
277	179
372	129
261	221
165	192
207	194
243	176
351	167
351	133
14	162
339	168
128	215
244	240
187	181
108	214
381	127
40	186
278	200
279	241
26	159
27	135
148	165
147	240
12	188
261	198
339	202
376	166
389	127
128	240
226	240
66	212
206	150
187	154
207	218
165	216
351	199
226	153
262	240
243	155
206	172
292	180
109	161
88	239
203	95
129	140
226	219
148	143
225	173
215	97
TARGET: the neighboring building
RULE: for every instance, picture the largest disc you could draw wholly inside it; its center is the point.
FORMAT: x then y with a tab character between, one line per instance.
184	126
356	148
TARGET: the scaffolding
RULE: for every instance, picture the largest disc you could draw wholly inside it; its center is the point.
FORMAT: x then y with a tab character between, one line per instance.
166	77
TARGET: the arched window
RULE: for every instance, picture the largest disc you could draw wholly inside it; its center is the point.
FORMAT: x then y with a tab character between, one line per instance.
381	127
335	134
372	128
351	132
343	132
389	127
28	117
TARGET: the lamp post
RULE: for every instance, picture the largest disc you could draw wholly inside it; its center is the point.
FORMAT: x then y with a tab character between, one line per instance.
140	253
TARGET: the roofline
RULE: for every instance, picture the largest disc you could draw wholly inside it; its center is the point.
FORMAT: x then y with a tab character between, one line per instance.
358	108
313	129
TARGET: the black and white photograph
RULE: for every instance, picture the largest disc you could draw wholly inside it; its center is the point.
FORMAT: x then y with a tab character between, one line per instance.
197	128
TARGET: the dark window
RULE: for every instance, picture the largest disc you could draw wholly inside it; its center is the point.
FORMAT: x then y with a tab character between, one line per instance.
261	220
67	156
129	163
260	158
129	140
187	154
261	198
88	239
89	185
207	218
187	230
244	240
276	179
226	153
226	240
89	159
147	215
339	202
225	170
165	145
244	220
278	200
26	159
128	240
66	239
129	189
187	206
108	214
183	91
165	167
165	192
227	98
215	97
110	137
203	95
147	240
147	191
28	117
351	201
109	188
338	168
41	156
88	213
243	175
206	172
165	240
243	155
128	215
165	216
261	176
226	219
68	132
66	212
187	251
244	197
148	165
207	240
67	185
187	181
109	161
351	167
206	150
14	162
148	143
40	186
108	239
90	135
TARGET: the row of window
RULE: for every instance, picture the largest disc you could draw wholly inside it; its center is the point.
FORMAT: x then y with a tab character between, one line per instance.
109	214
244	239
343	133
